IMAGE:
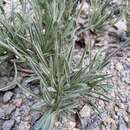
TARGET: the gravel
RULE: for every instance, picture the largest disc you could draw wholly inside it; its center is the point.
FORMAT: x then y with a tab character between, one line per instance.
9	109
8	125
7	96
24	126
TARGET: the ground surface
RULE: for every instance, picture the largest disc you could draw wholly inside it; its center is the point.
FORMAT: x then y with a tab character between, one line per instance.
15	107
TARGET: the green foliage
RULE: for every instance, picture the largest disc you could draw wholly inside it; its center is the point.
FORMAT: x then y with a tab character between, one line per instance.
45	38
101	13
48	23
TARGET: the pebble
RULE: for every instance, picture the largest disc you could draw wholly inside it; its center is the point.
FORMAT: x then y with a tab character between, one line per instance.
24	126
35	117
8	125
121	25
121	105
85	112
17	112
123	127
119	66
128	124
103	127
72	124
128	107
119	54
25	110
18	119
2	113
7	96
36	90
18	102
128	59
9	109
75	129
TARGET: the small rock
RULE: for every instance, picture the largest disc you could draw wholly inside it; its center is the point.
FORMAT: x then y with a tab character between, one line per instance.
129	124
18	102
17	112
119	66
85	112
24	126
7	96
2	113
85	7
75	129
127	80
18	119
8	125
72	124
128	59
128	107
121	105
9	109
36	90
121	25
25	110
119	54
27	118
35	117
128	98
123	127
96	128
118	2
103	127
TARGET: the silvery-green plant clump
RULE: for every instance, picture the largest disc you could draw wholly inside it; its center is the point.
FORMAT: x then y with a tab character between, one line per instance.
101	13
44	39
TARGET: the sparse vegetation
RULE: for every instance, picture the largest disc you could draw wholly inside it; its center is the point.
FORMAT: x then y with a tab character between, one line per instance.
44	39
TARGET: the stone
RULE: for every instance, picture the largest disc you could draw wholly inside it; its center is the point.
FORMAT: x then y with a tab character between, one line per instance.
127	80
96	128
121	105
85	112
36	90
27	118
24	126
85	7
2	113
128	124
118	2
35	117
18	102
119	54
72	124
119	66
17	112
7	96
9	109
5	86
123	127
75	129
128	59
121	25
128	110
8	125
103	127
25	110
18	119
